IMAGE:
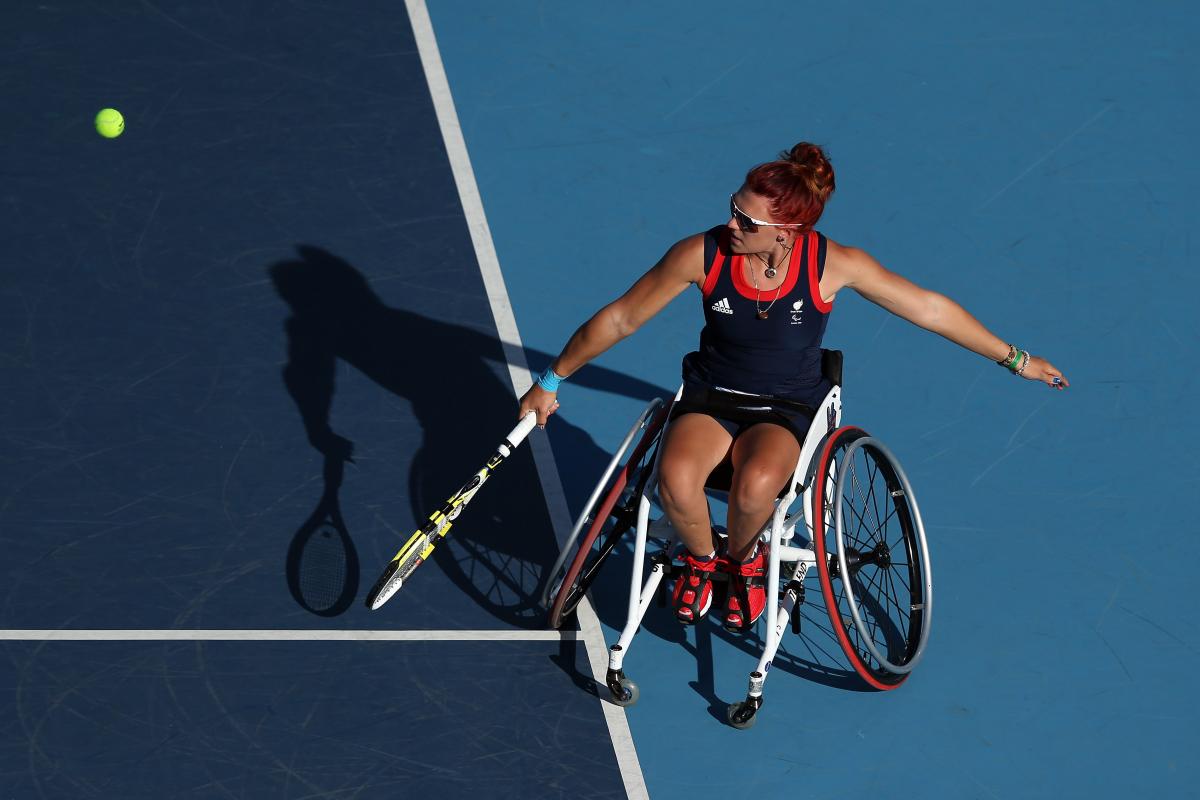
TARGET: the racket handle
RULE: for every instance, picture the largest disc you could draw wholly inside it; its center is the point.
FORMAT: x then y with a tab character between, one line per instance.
518	434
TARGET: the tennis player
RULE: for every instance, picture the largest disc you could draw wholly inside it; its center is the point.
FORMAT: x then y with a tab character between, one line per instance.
768	280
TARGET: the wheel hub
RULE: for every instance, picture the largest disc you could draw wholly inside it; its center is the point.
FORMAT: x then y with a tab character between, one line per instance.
881	556
853	562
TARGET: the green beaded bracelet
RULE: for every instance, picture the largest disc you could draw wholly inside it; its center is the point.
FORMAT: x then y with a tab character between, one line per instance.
1024	363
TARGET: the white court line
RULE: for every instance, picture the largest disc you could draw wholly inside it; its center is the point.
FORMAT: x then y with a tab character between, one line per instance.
518	368
220	635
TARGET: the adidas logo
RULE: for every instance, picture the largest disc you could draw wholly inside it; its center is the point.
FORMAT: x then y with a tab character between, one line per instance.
723	306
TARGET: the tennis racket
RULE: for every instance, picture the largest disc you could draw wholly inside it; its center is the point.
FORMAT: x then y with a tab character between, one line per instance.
420	545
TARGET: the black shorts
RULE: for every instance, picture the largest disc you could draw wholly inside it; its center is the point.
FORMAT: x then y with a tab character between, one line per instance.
736	412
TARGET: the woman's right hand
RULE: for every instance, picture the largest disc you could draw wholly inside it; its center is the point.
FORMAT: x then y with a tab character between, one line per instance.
541	402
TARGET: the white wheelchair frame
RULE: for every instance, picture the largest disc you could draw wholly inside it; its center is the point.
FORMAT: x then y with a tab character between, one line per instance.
779	533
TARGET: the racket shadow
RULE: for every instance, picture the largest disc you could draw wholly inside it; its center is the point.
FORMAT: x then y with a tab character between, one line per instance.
322	563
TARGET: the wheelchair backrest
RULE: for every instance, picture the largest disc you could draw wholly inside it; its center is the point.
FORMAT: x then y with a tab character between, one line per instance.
831	366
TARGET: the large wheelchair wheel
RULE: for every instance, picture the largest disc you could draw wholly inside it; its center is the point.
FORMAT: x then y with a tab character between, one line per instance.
872	557
610	513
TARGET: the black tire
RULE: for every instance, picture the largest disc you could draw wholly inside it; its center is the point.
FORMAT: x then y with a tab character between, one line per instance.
886	557
633	694
615	515
742	714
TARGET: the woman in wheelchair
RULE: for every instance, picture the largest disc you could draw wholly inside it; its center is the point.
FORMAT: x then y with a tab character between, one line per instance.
768	281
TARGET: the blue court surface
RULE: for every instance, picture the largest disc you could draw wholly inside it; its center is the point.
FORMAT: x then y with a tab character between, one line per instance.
247	346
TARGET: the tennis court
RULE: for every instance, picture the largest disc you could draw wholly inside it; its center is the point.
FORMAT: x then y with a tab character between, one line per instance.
249	344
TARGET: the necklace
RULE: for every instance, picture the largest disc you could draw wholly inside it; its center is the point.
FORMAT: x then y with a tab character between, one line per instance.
762	312
770	271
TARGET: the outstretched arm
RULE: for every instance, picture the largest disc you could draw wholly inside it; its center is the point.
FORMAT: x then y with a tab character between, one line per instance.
856	269
682	265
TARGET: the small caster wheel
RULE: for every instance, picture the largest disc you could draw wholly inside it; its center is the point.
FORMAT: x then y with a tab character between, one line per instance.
629	693
743	713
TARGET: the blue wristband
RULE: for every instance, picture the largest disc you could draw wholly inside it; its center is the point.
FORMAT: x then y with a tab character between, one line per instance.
550	380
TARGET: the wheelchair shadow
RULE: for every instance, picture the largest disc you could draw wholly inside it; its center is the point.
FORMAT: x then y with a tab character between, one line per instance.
492	555
572	660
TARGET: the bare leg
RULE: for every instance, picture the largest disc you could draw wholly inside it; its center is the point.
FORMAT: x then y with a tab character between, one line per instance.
694	445
764	458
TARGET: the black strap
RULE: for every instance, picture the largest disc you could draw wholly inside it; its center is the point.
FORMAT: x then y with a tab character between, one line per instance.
743	409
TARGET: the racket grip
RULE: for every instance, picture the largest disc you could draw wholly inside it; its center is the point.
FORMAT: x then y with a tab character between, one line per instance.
518	434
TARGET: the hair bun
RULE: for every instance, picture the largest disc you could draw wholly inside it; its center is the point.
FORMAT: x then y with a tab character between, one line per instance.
811	161
797	184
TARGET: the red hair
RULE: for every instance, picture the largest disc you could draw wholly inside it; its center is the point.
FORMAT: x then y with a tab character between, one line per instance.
797	185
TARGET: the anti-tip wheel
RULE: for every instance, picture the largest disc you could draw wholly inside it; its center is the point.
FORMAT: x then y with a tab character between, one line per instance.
631	694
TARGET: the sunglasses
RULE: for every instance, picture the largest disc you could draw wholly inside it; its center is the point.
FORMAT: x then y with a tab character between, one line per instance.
748	223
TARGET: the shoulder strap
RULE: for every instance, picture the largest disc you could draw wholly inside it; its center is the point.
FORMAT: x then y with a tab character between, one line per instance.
716	245
822	242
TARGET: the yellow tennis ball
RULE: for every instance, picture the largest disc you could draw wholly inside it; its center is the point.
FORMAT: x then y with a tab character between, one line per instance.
109	123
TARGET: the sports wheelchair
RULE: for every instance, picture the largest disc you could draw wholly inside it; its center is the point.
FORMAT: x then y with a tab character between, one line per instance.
849	510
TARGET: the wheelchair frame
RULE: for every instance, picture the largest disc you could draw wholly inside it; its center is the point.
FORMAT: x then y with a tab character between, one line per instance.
779	533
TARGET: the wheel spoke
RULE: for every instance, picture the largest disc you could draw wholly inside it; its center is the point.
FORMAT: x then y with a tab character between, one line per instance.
872	580
871	621
869	505
901	612
886	630
872	539
858	491
891	515
901	576
862	524
816	650
873	473
888	607
869	494
888	577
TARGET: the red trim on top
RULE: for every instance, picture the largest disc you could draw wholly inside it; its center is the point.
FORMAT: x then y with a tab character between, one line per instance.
714	271
814	282
746	289
737	271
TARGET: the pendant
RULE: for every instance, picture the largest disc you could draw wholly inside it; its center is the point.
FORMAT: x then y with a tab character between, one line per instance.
762	315
770	272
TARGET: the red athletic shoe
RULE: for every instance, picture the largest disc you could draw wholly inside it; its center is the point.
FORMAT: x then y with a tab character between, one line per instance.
747	591
693	589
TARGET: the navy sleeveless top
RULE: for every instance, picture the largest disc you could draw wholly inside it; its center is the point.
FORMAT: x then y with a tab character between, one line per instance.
778	356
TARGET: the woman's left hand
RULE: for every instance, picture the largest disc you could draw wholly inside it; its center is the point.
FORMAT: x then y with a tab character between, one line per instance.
1039	369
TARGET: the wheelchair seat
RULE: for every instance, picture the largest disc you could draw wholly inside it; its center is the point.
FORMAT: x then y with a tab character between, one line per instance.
721	478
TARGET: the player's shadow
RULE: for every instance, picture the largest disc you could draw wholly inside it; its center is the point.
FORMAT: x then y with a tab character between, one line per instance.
455	379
